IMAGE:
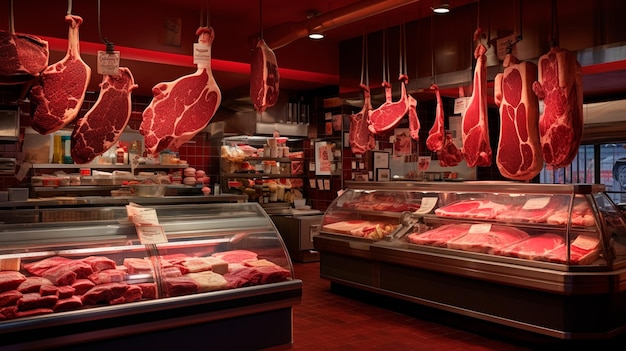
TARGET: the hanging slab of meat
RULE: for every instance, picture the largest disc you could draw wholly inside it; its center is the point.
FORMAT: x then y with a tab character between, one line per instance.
102	125
519	154
434	142
560	87
182	108
449	155
361	139
22	57
414	122
264	77
389	114
60	91
476	149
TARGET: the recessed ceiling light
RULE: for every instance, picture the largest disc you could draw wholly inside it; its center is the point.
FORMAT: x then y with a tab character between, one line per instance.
316	36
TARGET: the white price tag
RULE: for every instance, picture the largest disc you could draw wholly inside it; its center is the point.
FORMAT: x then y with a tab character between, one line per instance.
109	63
151	234
536	203
460	104
585	242
480	228
427	205
201	54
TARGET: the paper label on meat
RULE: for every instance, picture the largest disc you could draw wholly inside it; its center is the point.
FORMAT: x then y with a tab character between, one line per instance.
585	242
536	203
201	54
109	63
479	228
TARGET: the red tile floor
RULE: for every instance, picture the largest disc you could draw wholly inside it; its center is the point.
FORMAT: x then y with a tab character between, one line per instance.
355	320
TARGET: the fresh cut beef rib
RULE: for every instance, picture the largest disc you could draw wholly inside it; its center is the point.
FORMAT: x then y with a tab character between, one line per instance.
60	90
449	155
476	149
532	248
264	77
102	125
519	154
389	114
23	57
181	109
434	142
361	140
560	87
487	238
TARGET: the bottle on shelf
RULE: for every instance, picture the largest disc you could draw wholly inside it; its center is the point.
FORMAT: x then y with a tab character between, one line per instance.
57	154
67	147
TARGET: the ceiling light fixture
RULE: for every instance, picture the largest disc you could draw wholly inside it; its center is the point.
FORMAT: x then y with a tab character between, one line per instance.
441	6
313	33
316	36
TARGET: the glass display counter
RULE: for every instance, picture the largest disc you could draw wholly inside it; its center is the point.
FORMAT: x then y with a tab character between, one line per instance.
549	259
82	285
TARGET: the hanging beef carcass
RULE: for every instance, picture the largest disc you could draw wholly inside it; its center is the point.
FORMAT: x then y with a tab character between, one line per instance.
361	140
559	85
60	90
182	108
519	151
434	142
22	57
476	149
264	77
389	114
102	125
414	122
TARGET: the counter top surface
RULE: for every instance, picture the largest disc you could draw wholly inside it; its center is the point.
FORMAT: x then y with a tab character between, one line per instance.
108	200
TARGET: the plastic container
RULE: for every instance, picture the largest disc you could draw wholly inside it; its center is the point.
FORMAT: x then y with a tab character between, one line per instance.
18	194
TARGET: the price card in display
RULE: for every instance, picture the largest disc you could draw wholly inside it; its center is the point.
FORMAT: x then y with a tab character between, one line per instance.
536	203
151	234
427	205
480	228
585	242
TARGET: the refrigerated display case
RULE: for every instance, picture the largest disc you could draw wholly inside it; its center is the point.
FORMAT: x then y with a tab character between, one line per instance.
549	259
223	271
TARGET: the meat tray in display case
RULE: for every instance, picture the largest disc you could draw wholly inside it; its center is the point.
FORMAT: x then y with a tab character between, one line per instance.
95	285
549	259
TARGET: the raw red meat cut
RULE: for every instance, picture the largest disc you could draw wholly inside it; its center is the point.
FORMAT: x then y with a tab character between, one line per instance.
148	290
248	276
361	139
182	108
60	91
138	265
389	114
67	304
484	209
23	57
487	238
81	286
583	250
67	273
104	293
535	210
9	297
414	121
33	312
178	286
9	312
439	236
561	124
133	293
99	263
39	267
519	155
32	284
33	301
434	142
533	248
63	291
476	149
107	276
449	155
236	256
264	77
581	214
102	125
10	280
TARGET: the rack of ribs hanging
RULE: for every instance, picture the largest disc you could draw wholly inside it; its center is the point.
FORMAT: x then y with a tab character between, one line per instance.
361	139
389	114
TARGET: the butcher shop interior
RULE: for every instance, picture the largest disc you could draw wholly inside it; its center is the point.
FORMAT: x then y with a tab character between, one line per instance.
448	173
